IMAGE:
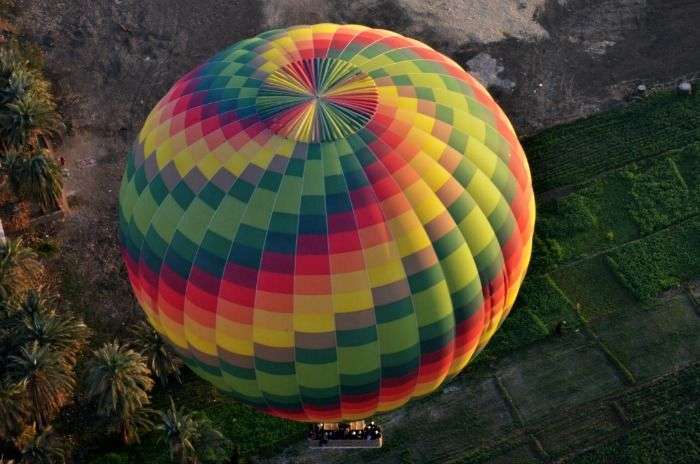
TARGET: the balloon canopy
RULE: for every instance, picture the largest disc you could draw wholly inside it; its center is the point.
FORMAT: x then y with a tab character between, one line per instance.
327	221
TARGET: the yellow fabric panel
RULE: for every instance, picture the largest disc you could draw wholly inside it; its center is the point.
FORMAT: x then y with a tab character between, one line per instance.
412	241
386	274
424	201
234	337
431	172
460	268
352	301
380	254
200	337
314	323
484	192
476	230
482	157
274	338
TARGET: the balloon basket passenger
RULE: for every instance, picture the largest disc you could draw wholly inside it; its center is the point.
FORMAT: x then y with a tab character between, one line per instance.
357	434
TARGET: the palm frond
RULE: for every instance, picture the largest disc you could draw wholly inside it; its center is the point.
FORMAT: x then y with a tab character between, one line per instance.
47	377
160	357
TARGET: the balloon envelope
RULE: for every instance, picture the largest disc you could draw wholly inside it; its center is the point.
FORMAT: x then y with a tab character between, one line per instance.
327	221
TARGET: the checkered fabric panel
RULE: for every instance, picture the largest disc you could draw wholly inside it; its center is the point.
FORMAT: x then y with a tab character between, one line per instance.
327	221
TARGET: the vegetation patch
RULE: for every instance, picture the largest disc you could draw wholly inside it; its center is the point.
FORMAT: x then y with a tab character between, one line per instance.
660	261
593	289
659	192
572	153
672	438
520	329
547	302
619	207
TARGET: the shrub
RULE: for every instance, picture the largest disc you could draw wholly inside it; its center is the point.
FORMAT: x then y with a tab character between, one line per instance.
28	113
35	176
659	262
545	299
566	217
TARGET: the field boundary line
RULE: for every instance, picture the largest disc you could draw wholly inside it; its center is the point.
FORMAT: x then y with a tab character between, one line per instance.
564	190
617	247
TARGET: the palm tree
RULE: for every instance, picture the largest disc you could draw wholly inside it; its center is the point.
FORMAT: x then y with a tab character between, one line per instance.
119	380
19	268
47	377
13	411
180	430
192	438
159	356
29	120
15	82
131	425
43	448
35	177
62	333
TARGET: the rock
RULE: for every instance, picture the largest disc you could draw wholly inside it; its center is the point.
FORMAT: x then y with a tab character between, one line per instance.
600	47
487	70
685	88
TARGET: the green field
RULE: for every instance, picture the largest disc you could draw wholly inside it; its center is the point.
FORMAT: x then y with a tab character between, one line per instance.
574	153
626	230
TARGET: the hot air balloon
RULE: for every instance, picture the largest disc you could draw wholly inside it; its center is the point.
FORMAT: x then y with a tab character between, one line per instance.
327	221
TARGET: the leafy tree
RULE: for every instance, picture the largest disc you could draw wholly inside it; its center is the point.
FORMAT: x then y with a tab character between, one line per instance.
47	377
15	81
19	269
159	356
191	437
119	381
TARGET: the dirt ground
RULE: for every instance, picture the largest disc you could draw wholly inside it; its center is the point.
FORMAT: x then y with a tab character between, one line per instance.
546	61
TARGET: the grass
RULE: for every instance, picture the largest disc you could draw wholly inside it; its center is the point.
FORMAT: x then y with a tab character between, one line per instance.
660	194
519	330
545	300
674	391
